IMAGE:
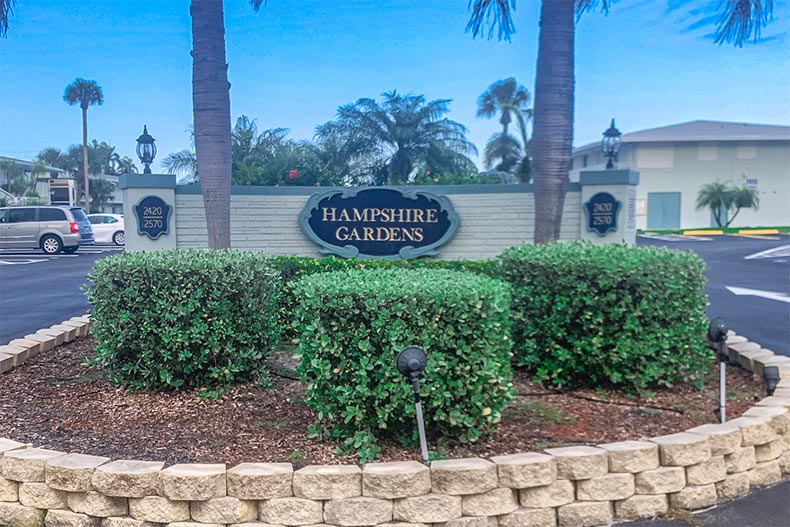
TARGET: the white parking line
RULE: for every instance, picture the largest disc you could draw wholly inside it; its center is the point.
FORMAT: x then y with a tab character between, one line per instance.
675	238
775	252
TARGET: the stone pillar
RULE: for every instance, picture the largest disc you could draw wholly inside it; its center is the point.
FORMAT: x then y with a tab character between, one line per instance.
151	229
608	206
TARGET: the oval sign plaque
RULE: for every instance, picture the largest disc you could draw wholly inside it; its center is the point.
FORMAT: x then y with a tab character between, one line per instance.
379	222
602	212
153	217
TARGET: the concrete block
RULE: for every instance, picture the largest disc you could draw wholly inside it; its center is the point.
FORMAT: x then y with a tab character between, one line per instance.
327	482
530	518
755	430
662	480
428	508
463	476
351	512
399	479
260	481
614	486
641	506
40	496
682	449
128	478
158	509
94	503
585	514
561	492
631	456
193	482
26	464
17	515
733	486
580	462
741	460
61	518
694	497
521	471
723	438
763	474
72	472
223	510
491	503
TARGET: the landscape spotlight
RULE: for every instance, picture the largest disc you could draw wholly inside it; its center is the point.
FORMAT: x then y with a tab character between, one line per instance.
146	149
717	335
771	378
411	362
610	145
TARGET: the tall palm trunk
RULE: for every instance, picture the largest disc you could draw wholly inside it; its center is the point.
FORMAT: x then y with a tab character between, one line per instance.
552	136
211	108
85	189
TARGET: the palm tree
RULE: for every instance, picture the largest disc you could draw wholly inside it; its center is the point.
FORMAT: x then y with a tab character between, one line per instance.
722	198
715	196
503	97
86	93
554	84
400	135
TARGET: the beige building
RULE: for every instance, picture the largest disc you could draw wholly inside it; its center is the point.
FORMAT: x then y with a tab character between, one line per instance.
675	161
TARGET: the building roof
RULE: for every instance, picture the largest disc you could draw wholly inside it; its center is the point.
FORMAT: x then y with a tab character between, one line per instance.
27	164
695	131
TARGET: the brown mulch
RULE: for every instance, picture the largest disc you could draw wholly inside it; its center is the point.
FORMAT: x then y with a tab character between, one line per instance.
54	401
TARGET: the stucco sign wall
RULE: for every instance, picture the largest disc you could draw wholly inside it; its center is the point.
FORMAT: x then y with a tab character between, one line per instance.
379	222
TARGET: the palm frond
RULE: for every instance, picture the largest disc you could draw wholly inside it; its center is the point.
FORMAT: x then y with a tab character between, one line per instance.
496	14
740	20
6	10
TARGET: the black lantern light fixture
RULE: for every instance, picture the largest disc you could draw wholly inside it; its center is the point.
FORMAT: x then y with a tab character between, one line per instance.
610	145
411	362
717	337
771	377
146	149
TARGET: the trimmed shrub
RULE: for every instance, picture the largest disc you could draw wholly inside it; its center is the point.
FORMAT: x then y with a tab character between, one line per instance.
352	324
184	319
607	314
294	267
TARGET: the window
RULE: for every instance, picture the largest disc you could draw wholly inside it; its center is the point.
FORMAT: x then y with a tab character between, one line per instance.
78	213
584	161
51	215
20	215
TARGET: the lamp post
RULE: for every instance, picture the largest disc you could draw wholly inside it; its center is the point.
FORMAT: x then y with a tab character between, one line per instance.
717	334
610	145
146	149
411	363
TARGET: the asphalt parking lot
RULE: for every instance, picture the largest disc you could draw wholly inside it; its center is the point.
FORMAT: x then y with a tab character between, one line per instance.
748	282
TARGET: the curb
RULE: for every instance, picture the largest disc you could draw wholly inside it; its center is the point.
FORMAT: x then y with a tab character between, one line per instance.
16	352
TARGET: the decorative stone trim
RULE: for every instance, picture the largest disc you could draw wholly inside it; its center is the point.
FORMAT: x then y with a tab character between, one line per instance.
574	486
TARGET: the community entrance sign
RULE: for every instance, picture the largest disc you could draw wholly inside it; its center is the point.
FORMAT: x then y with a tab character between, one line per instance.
379	222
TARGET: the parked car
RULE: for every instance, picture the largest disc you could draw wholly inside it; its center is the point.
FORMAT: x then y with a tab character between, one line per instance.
53	229
108	228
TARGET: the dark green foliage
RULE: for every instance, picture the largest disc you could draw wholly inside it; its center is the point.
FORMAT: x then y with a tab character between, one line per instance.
352	324
184	319
607	314
294	267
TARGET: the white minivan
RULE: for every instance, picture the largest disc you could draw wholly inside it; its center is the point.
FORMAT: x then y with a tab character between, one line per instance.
53	229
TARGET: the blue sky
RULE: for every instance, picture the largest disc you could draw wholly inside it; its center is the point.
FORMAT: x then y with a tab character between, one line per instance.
647	63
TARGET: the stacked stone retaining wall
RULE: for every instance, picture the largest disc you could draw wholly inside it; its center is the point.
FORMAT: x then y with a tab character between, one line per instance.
580	486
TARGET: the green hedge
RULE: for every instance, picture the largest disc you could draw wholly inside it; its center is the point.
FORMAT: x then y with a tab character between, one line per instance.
294	267
607	314
352	324
188	318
